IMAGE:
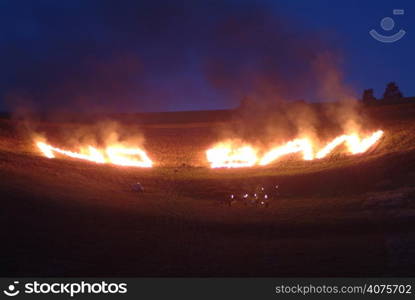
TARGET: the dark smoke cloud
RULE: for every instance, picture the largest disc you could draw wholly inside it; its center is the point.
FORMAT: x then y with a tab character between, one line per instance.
156	55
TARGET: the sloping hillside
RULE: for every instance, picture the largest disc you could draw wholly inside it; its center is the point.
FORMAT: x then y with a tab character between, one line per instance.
343	216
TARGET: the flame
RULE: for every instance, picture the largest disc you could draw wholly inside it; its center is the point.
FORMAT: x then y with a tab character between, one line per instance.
354	144
331	146
117	155
360	146
224	155
297	145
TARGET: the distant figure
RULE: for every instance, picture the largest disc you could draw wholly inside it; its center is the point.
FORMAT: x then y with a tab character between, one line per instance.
392	92
137	187
368	97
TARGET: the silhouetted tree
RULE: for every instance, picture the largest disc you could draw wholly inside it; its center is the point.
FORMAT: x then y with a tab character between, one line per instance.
368	96
392	92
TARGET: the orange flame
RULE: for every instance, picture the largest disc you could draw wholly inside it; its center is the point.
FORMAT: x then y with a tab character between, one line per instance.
224	155
114	154
331	146
297	145
360	146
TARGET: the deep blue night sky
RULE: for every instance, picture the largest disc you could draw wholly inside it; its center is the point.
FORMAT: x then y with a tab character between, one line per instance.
188	55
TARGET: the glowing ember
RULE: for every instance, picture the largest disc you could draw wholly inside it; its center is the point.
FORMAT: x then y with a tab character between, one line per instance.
117	155
224	155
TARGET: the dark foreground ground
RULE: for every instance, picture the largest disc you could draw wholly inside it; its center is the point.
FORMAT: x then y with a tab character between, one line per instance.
339	217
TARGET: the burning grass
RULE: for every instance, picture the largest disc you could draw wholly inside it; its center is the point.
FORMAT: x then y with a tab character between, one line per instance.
113	154
105	142
230	155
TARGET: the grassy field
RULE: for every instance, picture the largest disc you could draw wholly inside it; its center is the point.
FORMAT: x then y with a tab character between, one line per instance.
342	216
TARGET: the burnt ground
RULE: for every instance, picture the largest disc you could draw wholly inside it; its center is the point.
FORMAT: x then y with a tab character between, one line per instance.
343	216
